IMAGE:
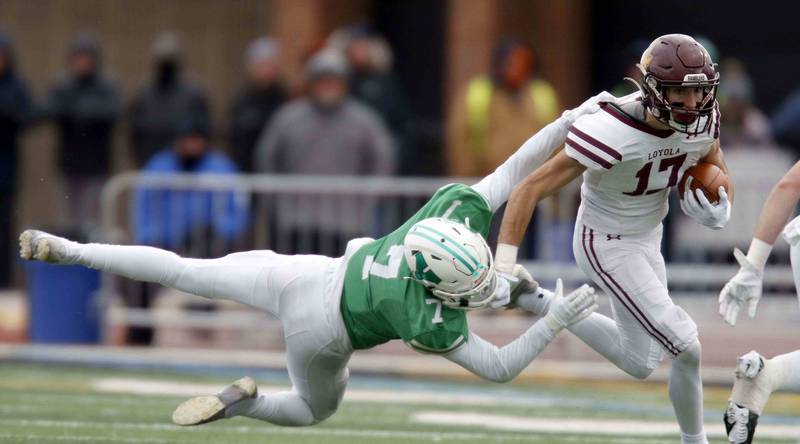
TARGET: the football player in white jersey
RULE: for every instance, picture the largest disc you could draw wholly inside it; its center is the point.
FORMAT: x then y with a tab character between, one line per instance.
756	376
630	155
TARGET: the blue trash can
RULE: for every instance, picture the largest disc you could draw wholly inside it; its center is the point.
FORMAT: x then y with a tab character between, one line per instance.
64	304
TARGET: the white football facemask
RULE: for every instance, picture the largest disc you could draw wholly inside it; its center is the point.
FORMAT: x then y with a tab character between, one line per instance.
453	261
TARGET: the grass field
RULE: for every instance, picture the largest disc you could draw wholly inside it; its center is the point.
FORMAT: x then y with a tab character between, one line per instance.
55	404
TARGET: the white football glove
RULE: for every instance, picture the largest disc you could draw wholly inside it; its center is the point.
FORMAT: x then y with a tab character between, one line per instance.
502	290
745	286
572	308
791	232
697	206
590	106
519	282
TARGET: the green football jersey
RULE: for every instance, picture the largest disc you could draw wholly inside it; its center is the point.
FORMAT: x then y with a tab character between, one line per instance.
381	303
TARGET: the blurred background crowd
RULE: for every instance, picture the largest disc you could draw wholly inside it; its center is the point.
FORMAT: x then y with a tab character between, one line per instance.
94	88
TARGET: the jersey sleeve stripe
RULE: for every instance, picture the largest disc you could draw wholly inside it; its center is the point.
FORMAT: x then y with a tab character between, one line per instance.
596	143
588	154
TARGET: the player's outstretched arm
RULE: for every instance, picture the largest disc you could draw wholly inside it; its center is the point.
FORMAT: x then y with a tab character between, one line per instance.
745	286
543	182
502	364
497	186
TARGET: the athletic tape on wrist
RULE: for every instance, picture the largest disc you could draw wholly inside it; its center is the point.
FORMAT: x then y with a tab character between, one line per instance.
758	253
505	258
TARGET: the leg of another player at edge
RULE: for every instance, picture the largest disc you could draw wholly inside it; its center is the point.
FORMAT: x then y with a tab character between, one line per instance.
784	372
686	394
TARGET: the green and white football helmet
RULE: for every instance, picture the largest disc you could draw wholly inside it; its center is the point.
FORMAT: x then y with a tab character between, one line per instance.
451	260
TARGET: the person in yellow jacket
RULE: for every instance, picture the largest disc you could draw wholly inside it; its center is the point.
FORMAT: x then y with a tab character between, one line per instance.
496	113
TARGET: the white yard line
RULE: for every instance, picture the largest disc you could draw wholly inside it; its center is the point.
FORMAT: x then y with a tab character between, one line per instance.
582	426
77	438
170	388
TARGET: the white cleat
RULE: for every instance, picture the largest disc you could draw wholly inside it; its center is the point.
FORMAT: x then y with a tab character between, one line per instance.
751	391
205	409
42	246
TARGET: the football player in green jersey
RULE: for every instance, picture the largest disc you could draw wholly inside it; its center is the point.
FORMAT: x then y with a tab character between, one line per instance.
414	284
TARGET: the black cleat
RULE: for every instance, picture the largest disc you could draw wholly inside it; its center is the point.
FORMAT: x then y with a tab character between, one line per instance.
740	424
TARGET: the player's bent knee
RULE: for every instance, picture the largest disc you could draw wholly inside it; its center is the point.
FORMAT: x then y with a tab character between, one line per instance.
638	371
691	355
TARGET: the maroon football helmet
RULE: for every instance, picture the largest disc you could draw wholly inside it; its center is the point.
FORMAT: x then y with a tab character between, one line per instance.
678	61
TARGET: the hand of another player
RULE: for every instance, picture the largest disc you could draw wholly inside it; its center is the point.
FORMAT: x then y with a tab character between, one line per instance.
519	282
696	205
745	286
792	231
749	365
572	308
525	285
590	106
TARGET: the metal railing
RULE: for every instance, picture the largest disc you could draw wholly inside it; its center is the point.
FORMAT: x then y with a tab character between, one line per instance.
316	214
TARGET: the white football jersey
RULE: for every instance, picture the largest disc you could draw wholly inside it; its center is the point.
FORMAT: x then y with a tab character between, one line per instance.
630	167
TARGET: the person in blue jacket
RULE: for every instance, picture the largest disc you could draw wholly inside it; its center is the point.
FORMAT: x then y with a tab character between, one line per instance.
197	222
177	219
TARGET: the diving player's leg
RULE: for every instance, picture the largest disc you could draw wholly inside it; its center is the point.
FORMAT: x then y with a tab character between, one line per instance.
254	278
317	351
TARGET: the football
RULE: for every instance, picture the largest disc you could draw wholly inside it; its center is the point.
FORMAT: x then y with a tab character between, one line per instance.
707	177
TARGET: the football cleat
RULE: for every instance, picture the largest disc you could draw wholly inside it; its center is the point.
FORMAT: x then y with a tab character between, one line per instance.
740	424
42	246
204	409
751	391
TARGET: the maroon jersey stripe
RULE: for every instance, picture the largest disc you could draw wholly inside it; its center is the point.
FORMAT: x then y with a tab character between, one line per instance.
630	305
594	157
628	120
596	143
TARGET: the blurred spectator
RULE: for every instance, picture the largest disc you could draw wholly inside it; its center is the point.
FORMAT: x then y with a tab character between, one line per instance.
372	82
15	106
785	123
194	222
189	221
85	105
263	94
742	123
325	133
159	108
497	113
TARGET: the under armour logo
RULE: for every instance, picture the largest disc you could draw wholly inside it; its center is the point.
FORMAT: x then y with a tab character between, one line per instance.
613	236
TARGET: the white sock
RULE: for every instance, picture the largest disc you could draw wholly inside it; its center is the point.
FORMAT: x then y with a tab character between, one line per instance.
699	438
282	408
686	394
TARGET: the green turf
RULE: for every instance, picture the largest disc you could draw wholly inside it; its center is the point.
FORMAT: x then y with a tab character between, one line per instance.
57	405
